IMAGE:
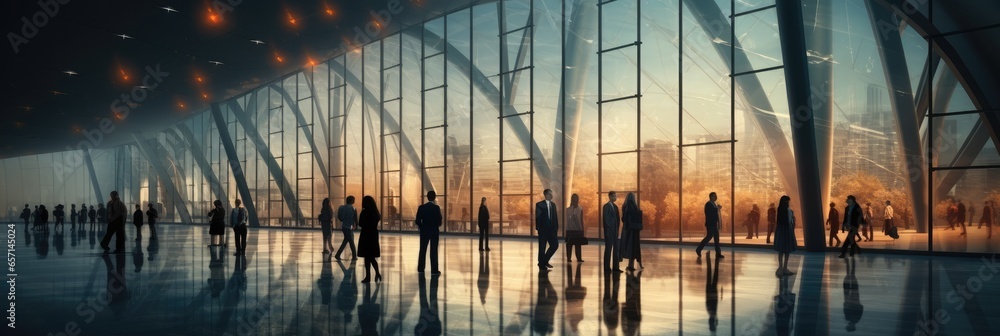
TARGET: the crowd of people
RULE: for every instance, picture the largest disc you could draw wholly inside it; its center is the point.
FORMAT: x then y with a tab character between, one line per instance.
113	215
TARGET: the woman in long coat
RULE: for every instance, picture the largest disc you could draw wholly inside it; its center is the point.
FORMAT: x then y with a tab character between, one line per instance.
368	244
631	225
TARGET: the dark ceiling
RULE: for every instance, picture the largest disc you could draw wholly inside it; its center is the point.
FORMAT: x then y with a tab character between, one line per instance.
66	76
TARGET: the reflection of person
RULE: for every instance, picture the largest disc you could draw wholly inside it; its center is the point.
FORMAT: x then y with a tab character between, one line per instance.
348	217
852	221
26	216
546	223
610	301
712	295
151	217
216	266
632	308
217	224
368	244
772	214
428	220
612	251
833	222
575	293
238	221
117	288
483	281
712	222
545	306
370	309
853	309
326	225
484	226
631	226
116	224
137	221
783	307
429	322
987	218
574	229
325	282
137	256
784	235
347	293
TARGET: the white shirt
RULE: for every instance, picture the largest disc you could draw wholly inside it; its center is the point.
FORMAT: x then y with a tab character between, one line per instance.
888	212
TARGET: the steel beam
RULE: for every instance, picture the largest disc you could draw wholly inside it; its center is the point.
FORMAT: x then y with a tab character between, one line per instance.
234	164
152	151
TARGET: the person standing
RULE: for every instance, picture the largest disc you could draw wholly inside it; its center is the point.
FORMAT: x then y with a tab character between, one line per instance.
102	214
151	217
137	221
784	235
238	221
546	223
887	216
961	217
611	218
574	229
428	220
853	218
348	217
326	225
217	223
972	213
772	213
987	218
866	227
93	217
712	222
72	216
368	242
82	216
42	218
26	216
484	226
753	223
631	225
833	222
59	214
116	211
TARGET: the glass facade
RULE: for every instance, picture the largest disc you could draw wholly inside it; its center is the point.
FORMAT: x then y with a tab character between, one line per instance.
669	99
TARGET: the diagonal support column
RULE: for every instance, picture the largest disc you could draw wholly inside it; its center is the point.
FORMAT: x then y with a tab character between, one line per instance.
234	163
93	175
153	154
199	158
300	118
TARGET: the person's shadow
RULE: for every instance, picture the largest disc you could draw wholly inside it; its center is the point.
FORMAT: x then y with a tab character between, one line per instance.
612	282
712	294
325	281
137	256
545	305
483	281
632	309
369	311
430	322
853	309
575	293
42	243
153	248
59	239
784	307
117	287
347	294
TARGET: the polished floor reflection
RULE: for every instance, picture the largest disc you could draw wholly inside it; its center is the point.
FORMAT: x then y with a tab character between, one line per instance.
285	286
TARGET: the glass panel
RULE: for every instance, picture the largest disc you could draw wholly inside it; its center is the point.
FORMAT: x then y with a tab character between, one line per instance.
516	137
434	108
619	73
390	83
618	173
516	218
619	126
517	13
960	220
707	169
618	23
516	177
759	40
747	5
434	147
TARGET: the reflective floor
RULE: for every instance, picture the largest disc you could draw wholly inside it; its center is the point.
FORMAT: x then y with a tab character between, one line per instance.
284	286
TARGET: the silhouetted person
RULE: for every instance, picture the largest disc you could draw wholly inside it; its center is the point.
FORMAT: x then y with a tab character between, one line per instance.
137	221
484	226
429	322
887	215
545	306
866	227
853	217
961	217
972	213
82	216
41	218
547	224
784	235
632	308
216	266
575	293
347	293
987	218
609	303
238	221
833	223
611	218
631	226
853	309
72	216
712	295
60	215
59	239
712	222
428	221
102	214
326	225
26	216
348	217
34	217
368	243
217	223
574	229
41	241
753	222
93	217
772	217
370	310
116	224
783	307
151	216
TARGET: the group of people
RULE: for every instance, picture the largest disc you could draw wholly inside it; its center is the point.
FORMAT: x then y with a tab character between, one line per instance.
113	214
866	230
956	216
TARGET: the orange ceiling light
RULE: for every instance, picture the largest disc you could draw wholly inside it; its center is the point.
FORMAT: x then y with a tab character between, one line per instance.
328	10
213	17
291	18
277	57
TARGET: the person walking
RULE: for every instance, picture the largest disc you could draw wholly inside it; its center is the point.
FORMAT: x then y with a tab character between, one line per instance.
961	217
987	218
772	214
238	221
42	218
784	235
484	226
348	217
151	216
368	242
115	213
887	215
428	220
972	213
866	227
547	225
853	218
713	214
611	218
217	223
833	222
574	229
326	225
631	225
137	221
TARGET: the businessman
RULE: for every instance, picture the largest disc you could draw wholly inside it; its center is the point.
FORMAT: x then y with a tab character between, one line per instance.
428	220
712	222
546	223
612	218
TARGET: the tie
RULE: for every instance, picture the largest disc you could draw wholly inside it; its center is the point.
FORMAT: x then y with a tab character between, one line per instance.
548	212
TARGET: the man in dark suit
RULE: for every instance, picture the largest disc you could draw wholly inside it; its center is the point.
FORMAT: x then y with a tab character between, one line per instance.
712	222
546	223
429	220
853	218
612	218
